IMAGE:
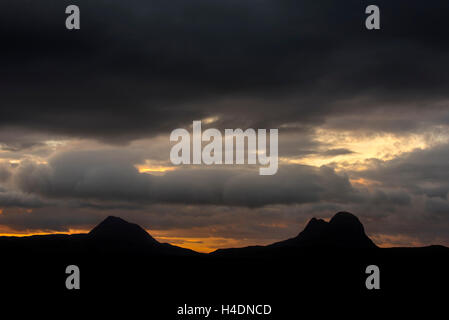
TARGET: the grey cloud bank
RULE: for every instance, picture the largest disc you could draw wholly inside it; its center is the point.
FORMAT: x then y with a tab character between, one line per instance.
162	64
137	70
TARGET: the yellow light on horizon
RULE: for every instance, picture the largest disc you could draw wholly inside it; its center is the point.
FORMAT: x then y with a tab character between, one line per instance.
41	233
154	167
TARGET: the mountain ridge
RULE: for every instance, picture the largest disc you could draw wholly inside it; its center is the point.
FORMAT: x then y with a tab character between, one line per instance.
114	234
344	230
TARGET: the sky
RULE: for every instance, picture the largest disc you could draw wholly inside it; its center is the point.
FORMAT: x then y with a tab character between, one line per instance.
363	117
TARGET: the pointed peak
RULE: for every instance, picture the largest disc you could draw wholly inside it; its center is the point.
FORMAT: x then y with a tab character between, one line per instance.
113	219
315	220
112	222
314	223
117	229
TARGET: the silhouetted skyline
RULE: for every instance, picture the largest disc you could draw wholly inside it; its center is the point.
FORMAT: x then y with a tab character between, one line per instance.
363	117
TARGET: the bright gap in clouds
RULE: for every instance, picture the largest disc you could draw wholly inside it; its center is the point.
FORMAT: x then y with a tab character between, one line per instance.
153	168
365	147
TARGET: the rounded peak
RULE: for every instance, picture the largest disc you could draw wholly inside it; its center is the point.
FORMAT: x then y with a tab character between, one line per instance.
344	214
344	217
347	223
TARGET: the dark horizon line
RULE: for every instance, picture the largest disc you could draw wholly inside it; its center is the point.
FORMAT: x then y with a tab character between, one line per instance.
116	218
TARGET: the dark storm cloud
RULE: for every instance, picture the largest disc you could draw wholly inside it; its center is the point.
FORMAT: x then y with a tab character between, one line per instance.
106	176
50	219
15	139
143	67
78	189
5	172
420	172
299	145
336	152
423	174
19	199
108	179
438	206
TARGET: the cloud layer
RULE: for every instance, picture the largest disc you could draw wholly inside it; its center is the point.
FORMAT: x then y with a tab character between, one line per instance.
363	116
162	64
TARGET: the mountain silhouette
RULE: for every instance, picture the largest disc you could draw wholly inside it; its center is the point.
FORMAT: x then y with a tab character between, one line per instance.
117	235
344	230
112	235
114	229
119	257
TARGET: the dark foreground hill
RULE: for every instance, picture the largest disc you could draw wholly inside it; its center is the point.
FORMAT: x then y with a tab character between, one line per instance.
112	236
343	232
323	266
